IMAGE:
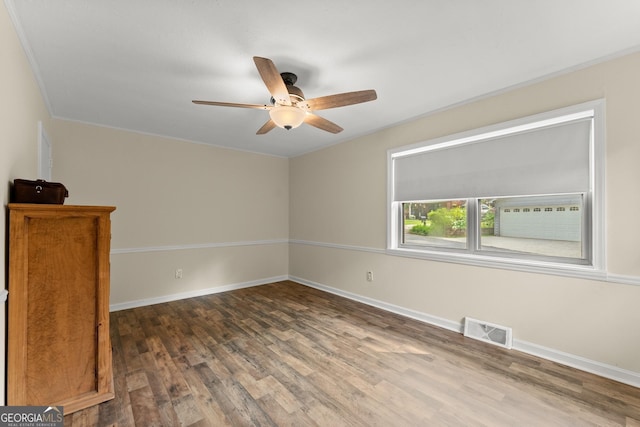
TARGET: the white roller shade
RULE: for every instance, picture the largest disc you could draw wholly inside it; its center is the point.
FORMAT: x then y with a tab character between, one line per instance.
547	160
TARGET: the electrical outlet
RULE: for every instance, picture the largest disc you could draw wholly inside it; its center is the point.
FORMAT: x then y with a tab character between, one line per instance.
178	273
369	276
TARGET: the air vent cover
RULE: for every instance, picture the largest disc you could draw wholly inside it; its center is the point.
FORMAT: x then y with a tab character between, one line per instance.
488	332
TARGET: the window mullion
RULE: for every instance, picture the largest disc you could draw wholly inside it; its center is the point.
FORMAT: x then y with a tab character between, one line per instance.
472	225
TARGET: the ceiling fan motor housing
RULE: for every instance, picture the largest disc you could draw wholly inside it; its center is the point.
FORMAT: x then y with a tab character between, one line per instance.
292	109
295	93
289	78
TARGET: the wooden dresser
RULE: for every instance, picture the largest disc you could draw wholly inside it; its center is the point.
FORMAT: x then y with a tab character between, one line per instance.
59	350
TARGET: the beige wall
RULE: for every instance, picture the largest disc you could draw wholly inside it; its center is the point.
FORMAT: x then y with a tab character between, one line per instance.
220	215
338	197
21	107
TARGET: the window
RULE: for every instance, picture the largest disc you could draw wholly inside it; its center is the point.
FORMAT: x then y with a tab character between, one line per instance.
527	192
437	223
558	235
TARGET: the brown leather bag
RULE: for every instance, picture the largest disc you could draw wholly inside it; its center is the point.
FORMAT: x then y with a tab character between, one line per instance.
39	191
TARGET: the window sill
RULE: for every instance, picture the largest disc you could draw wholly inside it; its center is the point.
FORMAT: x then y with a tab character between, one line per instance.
529	266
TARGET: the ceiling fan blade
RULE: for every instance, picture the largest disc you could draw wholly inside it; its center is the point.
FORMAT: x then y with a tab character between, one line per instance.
341	99
273	80
266	127
232	104
322	123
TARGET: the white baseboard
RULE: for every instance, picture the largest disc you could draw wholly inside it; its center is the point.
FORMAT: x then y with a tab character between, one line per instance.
433	320
195	293
601	369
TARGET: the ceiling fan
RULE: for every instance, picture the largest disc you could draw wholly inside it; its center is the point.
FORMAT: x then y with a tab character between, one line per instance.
289	108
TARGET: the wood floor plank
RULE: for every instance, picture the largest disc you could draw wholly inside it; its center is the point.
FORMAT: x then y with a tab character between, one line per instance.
172	378
87	418
145	410
207	404
187	410
284	354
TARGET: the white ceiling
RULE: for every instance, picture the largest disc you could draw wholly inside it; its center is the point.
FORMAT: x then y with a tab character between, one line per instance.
137	64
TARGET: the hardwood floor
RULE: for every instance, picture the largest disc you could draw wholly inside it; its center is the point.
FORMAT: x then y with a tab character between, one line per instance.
287	355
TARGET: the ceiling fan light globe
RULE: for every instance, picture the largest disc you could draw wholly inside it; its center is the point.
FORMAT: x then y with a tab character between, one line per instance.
287	117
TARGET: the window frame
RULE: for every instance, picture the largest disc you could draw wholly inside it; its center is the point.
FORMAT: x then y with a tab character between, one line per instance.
593	203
